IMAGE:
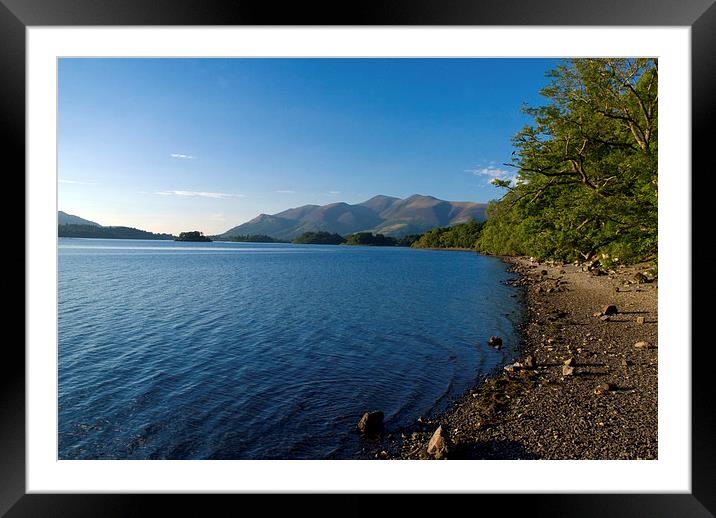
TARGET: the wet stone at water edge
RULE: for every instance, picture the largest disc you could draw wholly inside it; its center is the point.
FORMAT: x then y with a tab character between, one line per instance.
495	341
371	424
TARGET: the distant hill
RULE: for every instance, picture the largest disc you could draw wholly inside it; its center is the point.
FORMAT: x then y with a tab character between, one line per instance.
381	214
74	226
68	219
107	232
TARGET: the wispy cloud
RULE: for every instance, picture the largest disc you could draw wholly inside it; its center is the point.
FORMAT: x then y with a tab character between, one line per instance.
181	156
285	191
333	193
492	173
200	194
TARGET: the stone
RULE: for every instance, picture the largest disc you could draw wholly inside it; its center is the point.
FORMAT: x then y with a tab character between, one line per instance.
643	344
544	272
605	318
640	278
438	445
609	309
383	455
529	362
567	370
570	362
495	341
640	320
602	389
371	423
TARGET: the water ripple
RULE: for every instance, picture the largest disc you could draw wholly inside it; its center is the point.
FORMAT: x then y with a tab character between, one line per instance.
233	350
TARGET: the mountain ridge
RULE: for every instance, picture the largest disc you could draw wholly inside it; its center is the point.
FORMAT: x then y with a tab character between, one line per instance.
387	215
64	218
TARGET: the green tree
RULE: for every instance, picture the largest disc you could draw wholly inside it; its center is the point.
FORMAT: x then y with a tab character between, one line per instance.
462	235
319	238
370	239
194	235
586	167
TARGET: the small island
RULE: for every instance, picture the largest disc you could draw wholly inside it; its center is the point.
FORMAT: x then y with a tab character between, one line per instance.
194	236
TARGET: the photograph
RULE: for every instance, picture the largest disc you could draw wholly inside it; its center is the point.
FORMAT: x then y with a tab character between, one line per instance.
426	252
357	258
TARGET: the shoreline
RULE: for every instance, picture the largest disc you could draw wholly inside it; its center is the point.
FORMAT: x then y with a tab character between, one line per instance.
605	408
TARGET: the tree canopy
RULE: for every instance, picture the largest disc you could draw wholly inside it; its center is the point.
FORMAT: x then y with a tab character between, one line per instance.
370	239
462	235
586	167
194	235
93	231
319	238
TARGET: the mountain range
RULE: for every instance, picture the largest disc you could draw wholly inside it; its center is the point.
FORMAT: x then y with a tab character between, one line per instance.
381	214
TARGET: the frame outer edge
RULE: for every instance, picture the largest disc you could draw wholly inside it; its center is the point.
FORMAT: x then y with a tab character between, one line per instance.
12	143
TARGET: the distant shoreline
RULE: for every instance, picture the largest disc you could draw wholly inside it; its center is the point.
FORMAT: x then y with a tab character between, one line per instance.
281	243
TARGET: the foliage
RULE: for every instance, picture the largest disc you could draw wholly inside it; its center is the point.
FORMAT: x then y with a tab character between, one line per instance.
319	238
586	179
92	231
194	236
370	239
463	235
407	240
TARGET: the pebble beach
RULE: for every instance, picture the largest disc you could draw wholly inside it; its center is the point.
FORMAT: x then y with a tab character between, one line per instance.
584	385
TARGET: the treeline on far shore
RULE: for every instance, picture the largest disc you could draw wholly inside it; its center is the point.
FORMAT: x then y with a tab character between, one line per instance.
251	238
97	232
463	235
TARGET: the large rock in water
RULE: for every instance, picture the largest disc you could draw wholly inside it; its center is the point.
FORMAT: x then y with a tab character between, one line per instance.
371	423
495	341
438	445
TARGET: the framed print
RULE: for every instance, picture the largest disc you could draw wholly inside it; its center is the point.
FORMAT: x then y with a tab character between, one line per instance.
233	280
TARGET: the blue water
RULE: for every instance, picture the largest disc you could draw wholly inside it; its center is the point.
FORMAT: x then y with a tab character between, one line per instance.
260	351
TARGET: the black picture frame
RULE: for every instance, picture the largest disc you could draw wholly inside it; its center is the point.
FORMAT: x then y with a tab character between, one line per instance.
700	15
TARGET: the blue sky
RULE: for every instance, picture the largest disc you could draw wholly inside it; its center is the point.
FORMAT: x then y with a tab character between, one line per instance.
170	145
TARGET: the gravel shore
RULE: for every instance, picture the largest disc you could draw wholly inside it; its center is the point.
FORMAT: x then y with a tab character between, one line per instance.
587	392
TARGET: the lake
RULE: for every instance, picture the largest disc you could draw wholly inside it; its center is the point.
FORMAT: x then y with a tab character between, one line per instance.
219	350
